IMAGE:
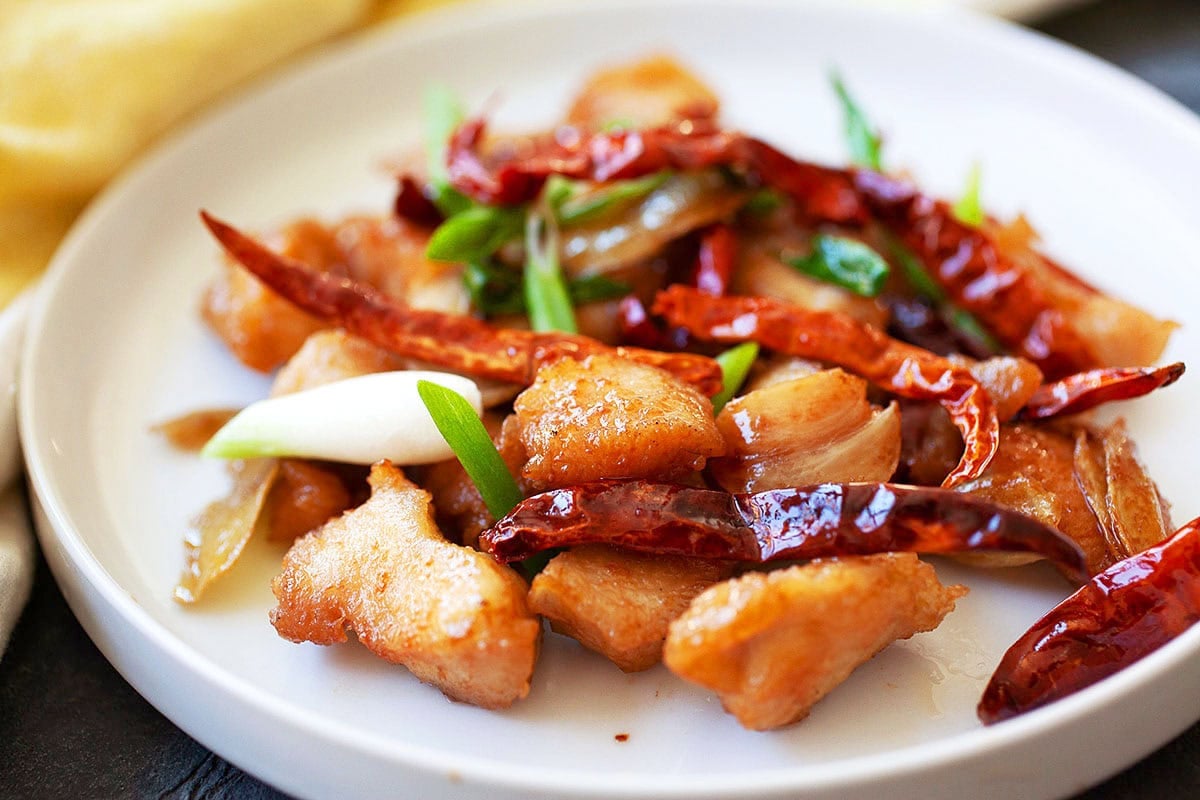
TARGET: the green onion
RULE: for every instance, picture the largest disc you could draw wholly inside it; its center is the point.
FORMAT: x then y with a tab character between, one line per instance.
914	272
865	143
925	285
443	113
596	289
735	366
576	208
844	262
497	290
557	190
474	234
469	440
618	124
763	202
493	289
546	296
968	209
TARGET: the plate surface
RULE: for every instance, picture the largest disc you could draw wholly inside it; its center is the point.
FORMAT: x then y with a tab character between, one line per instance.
1105	168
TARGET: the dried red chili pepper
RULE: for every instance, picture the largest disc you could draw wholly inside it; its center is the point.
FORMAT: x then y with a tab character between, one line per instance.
413	205
1121	615
1084	390
967	261
715	260
978	276
832	519
901	368
459	342
820	192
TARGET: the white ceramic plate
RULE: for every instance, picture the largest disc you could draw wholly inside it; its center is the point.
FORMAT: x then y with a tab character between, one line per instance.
1105	167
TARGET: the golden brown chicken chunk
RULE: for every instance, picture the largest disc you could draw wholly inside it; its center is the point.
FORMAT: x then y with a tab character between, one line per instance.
808	430
454	617
642	94
1034	472
332	355
772	644
263	330
620	603
607	417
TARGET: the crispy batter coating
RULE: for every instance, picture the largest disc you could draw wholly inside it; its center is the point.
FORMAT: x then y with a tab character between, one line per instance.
608	417
771	645
815	429
454	617
620	603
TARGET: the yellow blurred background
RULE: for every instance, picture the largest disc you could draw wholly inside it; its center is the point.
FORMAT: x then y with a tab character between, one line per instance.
86	85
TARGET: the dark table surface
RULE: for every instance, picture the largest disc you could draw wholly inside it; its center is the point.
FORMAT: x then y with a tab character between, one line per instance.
71	726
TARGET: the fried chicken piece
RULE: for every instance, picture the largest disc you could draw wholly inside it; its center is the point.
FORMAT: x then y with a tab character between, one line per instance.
620	603
454	617
815	429
263	330
303	496
1034	473
646	93
332	355
772	644
608	417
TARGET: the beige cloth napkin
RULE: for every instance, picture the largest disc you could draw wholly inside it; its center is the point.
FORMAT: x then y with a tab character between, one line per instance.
86	85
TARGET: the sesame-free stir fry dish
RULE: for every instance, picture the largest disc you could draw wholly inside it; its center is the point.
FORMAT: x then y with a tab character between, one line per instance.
692	399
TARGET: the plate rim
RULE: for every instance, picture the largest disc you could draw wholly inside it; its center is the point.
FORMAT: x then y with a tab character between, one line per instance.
86	566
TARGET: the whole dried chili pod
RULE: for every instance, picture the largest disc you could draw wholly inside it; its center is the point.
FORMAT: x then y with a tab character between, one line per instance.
832	519
454	341
412	204
967	261
978	275
901	368
517	175
1084	390
715	259
1121	615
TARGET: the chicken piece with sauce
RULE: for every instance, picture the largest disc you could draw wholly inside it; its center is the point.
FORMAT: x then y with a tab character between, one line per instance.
772	644
608	417
620	603
454	617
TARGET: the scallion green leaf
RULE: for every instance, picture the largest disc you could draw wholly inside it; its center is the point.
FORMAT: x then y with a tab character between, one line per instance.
969	209
914	272
865	143
763	202
469	440
493	289
596	289
844	262
735	366
474	234
546	297
925	285
443	113
578	208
